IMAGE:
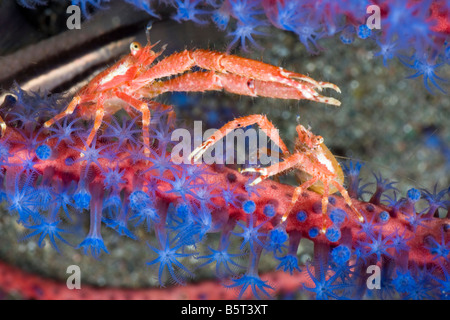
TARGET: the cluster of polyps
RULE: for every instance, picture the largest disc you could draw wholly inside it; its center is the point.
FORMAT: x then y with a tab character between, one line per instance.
50	176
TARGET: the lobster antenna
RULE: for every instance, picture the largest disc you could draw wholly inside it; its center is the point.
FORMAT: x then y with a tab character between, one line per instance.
147	30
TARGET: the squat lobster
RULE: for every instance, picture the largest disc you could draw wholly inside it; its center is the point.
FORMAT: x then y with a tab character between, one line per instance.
133	80
311	157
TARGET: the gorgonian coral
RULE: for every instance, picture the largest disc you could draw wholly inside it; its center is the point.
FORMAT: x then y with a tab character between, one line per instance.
48	182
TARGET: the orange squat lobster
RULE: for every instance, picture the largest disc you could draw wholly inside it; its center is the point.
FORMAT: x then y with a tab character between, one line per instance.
130	82
311	157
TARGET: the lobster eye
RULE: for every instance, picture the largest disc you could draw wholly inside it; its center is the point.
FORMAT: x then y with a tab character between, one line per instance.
135	47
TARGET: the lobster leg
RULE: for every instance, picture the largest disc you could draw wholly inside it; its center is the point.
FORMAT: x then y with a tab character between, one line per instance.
347	199
70	108
325	200
99	114
228	64
146	116
288	163
297	192
189	82
262	71
267	127
210	81
174	64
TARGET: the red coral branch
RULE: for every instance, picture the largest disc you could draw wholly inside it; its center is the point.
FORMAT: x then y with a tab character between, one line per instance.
270	192
30	286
